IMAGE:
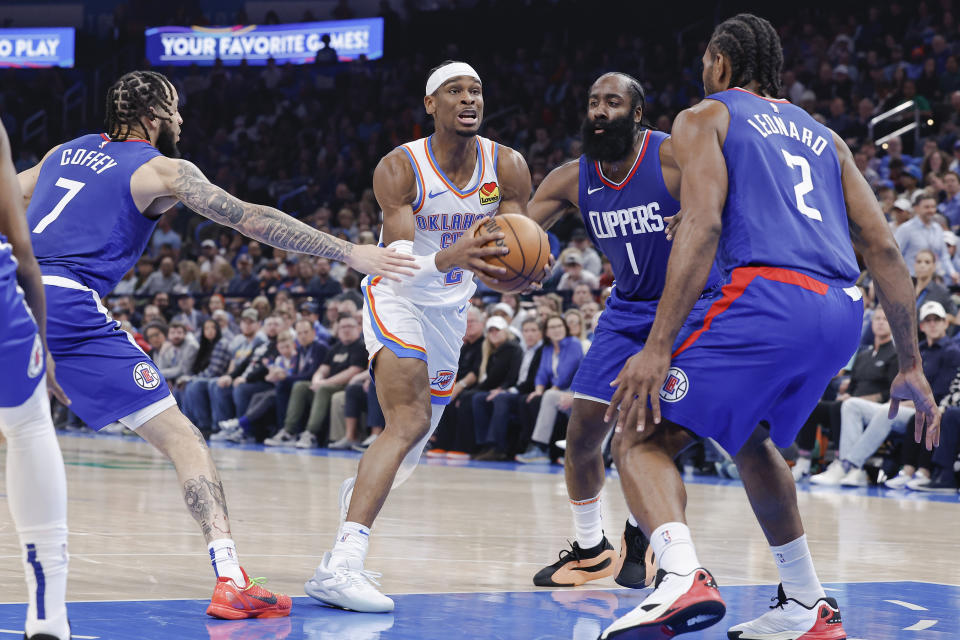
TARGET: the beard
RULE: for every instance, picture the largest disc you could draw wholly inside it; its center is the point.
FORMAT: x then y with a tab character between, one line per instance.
167	143
615	141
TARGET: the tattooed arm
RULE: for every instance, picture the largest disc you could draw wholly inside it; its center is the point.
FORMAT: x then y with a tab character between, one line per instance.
872	238
164	179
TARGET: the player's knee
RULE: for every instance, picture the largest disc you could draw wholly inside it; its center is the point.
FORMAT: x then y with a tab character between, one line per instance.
584	437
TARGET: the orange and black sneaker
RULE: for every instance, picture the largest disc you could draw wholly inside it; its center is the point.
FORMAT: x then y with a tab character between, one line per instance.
636	567
577	566
232	602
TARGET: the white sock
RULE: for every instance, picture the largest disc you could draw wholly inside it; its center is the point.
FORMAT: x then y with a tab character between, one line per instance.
225	561
633	521
797	574
587	522
674	548
353	541
37	496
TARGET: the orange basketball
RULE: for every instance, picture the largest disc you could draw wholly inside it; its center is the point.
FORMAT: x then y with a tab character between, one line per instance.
529	251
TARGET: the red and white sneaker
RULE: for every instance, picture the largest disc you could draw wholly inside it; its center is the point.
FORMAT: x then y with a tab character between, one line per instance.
792	620
679	604
232	602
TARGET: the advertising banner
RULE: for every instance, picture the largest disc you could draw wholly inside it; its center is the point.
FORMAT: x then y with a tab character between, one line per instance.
286	43
37	48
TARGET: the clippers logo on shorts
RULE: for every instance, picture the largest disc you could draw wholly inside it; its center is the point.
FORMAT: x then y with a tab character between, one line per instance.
676	385
442	380
489	193
146	376
36	358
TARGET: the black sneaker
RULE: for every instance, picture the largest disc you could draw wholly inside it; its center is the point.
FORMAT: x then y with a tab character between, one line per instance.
636	566
577	566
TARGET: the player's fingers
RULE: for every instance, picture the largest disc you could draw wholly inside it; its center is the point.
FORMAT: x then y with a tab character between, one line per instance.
641	417
614	401
655	404
58	393
393	254
482	239
894	408
918	428
626	405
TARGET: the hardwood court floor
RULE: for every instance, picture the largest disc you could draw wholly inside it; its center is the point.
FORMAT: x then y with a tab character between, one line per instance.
451	528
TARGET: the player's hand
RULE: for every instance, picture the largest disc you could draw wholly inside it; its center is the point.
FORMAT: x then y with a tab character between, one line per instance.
469	252
641	378
537	283
912	385
389	263
53	387
672	223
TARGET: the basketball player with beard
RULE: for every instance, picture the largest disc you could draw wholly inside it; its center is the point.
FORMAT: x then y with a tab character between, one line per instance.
92	204
627	186
434	193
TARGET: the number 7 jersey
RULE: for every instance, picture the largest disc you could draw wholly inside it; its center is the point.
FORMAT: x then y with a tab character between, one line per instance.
83	221
785	205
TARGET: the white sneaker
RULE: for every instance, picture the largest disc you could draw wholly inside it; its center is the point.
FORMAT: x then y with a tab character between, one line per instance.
346	492
678	604
789	619
342	444
831	477
282	438
899	482
227	432
855	478
919	480
347	588
306	441
230	423
800	468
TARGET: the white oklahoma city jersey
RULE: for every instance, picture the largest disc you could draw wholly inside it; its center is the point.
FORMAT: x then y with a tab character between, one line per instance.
443	213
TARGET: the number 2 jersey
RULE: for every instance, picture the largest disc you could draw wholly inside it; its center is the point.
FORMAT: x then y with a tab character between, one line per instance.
785	204
626	222
83	221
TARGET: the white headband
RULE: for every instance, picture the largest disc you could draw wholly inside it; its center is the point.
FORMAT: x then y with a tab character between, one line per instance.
448	71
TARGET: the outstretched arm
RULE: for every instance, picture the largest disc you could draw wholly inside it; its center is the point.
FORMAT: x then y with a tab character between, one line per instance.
184	181
555	194
872	238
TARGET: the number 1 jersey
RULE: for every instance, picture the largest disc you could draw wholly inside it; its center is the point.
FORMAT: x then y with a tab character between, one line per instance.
83	221
785	204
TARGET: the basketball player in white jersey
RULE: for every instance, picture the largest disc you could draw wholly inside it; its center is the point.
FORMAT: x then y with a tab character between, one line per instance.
36	483
433	193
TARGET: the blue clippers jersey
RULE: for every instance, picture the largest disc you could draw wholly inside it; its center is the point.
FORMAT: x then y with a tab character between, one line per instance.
785	205
626	221
85	225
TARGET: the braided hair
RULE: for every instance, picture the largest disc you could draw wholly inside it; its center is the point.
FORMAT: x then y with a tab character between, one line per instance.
752	46
137	94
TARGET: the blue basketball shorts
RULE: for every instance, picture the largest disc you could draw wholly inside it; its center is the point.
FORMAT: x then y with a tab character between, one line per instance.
621	332
767	349
21	350
105	373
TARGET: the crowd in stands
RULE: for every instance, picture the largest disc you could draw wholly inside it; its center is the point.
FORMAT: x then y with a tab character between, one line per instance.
264	345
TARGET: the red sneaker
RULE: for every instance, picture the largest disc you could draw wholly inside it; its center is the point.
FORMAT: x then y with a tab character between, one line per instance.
679	604
232	602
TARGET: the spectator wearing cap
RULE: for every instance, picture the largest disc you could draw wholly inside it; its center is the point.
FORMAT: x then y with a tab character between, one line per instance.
950	207
926	286
591	259
244	283
864	424
210	258
871	373
310	311
923	232
163	280
950	239
189	314
199	393
322	285
269	278
900	212
574	273
505	311
910	179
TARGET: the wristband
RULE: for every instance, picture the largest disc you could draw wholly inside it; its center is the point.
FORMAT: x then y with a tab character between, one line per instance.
427	263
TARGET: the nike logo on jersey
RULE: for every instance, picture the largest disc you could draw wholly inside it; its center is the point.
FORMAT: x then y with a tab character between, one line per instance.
433	195
593	191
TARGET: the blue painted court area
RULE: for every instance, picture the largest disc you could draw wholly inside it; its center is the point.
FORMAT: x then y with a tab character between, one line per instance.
871	611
